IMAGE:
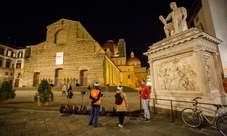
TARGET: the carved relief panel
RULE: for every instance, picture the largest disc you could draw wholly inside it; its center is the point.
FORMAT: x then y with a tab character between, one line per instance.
176	74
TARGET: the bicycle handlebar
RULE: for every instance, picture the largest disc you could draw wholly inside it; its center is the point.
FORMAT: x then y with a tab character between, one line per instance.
195	99
215	105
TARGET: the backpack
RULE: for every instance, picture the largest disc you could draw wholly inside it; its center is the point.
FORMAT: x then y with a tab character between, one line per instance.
70	94
118	98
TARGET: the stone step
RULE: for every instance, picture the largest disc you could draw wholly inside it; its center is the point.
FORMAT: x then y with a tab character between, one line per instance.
78	88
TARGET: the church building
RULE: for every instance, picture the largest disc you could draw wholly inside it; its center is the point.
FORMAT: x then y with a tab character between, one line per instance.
70	55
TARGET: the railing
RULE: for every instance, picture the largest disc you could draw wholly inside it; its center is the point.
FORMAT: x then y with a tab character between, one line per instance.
171	105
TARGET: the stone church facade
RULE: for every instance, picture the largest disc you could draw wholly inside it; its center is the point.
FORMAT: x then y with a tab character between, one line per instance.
67	56
71	56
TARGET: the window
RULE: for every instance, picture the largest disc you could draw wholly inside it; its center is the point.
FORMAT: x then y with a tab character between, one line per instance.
20	54
61	37
6	73
14	55
18	65
2	51
7	64
128	76
9	53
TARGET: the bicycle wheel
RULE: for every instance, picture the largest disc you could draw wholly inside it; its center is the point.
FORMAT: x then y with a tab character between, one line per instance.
222	124
191	118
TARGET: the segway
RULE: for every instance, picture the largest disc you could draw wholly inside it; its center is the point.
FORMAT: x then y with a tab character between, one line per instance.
102	111
67	108
82	109
114	112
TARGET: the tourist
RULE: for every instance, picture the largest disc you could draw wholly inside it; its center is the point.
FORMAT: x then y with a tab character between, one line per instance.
145	94
64	89
88	89
95	96
121	108
70	93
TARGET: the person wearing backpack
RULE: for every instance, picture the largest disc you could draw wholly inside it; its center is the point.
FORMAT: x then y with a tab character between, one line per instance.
145	94
121	105
95	96
70	92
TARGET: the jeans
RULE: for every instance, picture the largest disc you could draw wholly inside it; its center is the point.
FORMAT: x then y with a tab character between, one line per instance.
94	116
121	117
146	108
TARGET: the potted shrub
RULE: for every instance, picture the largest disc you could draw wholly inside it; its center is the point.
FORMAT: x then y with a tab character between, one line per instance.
6	92
44	94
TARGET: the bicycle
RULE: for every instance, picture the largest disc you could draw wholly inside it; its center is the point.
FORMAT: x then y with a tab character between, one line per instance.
194	117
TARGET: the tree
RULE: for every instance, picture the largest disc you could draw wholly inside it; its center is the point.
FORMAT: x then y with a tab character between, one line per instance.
44	93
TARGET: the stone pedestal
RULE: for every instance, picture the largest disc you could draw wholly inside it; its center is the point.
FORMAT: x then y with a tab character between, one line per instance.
185	66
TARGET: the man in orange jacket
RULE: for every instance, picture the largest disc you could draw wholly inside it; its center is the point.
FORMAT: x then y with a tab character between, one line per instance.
145	94
95	96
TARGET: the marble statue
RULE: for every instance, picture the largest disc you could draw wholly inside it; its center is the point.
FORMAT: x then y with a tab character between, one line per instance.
178	16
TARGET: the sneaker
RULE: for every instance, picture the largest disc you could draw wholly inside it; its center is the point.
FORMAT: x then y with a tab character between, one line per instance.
121	126
147	120
143	118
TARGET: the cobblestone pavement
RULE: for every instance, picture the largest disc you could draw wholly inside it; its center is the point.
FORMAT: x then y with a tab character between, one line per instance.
22	117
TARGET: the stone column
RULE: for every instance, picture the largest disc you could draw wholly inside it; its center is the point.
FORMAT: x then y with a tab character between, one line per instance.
4	63
203	76
152	79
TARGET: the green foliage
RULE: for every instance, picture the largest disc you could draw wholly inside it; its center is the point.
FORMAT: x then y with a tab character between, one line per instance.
6	90
44	92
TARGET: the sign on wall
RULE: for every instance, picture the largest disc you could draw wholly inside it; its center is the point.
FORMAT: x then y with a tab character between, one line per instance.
59	58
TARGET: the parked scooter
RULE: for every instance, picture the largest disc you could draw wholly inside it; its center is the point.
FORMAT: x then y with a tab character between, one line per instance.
67	108
81	109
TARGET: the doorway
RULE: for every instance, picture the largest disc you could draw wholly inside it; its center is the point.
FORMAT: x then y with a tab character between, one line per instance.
83	77
36	79
16	84
58	77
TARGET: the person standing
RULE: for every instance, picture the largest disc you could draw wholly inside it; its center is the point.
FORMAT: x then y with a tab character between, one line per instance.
70	92
88	89
144	94
121	108
95	96
64	89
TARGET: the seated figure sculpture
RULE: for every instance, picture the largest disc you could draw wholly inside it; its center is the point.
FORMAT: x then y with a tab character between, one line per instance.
168	27
178	16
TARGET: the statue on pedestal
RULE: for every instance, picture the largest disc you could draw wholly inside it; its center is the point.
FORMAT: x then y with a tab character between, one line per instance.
178	16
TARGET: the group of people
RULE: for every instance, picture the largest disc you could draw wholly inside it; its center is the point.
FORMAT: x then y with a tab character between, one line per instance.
67	90
96	97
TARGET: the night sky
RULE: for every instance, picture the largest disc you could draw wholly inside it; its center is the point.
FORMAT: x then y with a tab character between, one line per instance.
23	22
